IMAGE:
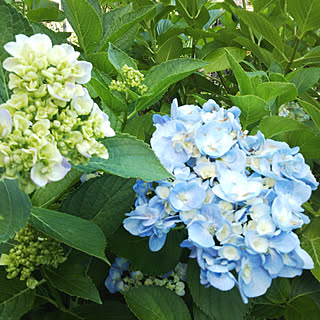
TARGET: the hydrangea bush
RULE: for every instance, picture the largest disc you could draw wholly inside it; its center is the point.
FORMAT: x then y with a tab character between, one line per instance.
239	196
122	198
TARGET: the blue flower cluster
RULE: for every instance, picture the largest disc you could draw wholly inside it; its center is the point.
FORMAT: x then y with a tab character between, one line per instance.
239	196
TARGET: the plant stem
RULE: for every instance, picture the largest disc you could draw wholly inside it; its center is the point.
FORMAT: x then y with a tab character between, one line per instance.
295	47
223	82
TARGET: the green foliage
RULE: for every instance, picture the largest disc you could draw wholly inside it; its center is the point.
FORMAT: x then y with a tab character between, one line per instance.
136	250
102	200
311	243
14	209
214	303
85	22
128	158
15	298
71	277
73	231
155	303
46	196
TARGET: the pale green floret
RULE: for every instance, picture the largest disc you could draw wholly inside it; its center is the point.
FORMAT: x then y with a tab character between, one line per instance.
48	108
132	80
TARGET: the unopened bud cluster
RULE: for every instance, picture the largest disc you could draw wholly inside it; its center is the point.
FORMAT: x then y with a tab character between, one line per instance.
50	118
31	251
121	279
293	110
132	80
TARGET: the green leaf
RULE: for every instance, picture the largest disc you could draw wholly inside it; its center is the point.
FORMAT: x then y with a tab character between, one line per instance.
100	61
279	290
311	243
262	26
218	58
219	305
252	108
261	4
156	303
305	285
160	77
47	195
12	23
103	200
128	158
124	22
15	298
141	127
77	233
85	22
312	111
4	90
200	315
45	14
114	103
243	79
56	37
71	278
171	49
304	78
136	249
109	310
264	55
306	14
303	308
294	132
284	91
119	58
15	208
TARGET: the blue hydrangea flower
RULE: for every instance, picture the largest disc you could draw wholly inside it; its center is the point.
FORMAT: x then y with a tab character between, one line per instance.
239	196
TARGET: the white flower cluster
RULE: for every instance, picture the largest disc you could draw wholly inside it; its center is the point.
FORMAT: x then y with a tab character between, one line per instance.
50	118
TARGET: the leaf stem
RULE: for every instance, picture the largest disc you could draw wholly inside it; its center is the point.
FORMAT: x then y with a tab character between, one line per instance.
295	47
223	82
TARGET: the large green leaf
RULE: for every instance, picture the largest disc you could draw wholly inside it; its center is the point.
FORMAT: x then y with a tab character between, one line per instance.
284	91
304	78
141	127
15	298
100	61
123	23
45	14
14	209
218	58
128	158
85	22
102	200
109	310
219	305
303	308
171	49
118	58
262	26
114	103
244	82
156	303
47	195
294	132
312	111
75	232
306	14
136	249
311	243
71	277
12	23
279	290
252	108
160	77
